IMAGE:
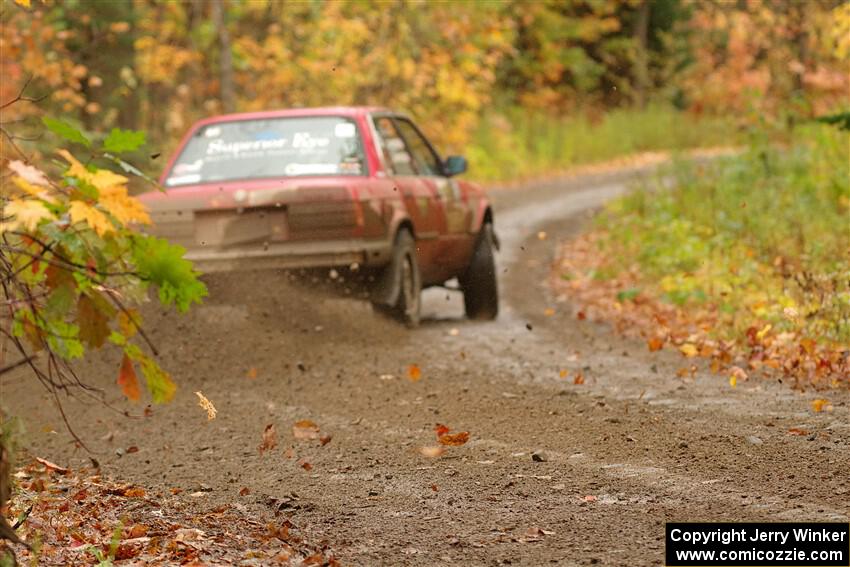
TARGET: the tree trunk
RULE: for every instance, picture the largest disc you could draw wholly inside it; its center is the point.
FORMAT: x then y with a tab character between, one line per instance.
641	69
226	89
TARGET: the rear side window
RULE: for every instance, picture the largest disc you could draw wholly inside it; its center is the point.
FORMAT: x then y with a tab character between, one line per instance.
275	147
395	151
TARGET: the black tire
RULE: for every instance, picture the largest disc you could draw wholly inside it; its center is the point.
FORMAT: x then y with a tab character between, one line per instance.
479	285
407	303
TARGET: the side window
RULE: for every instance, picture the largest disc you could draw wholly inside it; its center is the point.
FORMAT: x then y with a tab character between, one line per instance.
393	147
427	162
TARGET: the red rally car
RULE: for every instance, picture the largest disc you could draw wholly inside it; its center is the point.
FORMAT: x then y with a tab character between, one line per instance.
355	189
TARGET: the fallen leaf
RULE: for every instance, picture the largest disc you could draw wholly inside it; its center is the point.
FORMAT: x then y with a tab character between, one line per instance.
132	449
414	373
138	530
269	439
454	332
797	431
206	405
655	344
548	312
52	466
579	378
245	491
305	429
441	429
454	439
590	498
733	381
689	350
324	440
134	493
564	373
819	405
432	451
252	373
305	464
541	235
435	488
581	316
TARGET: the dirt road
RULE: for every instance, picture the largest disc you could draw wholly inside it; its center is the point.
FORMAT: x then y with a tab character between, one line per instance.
632	447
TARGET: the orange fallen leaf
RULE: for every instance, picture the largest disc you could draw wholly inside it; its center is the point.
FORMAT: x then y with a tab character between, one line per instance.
269	439
579	378
252	373
325	439
138	530
819	405
245	491
797	431
548	311
808	346
654	344
590	498
454	439
305	464
581	316
134	493
52	466
305	429
414	373
441	429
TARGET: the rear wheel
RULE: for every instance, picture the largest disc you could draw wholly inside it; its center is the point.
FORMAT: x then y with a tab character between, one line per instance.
479	285
407	303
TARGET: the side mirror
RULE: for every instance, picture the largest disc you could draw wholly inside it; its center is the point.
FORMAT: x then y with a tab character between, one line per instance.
455	165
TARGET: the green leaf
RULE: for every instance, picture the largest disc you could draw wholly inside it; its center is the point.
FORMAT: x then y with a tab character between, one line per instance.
65	130
162	264
160	384
627	294
121	141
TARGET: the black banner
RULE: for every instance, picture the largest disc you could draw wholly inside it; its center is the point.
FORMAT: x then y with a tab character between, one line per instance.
809	544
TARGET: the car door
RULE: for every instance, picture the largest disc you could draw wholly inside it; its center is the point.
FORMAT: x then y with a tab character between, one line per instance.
420	198
455	237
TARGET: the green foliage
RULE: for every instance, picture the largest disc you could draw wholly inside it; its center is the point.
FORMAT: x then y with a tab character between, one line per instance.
121	141
162	264
77	264
762	235
65	130
516	145
840	120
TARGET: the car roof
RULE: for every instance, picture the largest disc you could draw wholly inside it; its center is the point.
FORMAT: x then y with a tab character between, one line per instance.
350	111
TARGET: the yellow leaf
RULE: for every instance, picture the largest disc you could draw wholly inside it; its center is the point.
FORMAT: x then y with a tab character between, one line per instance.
124	208
819	404
689	350
760	335
26	213
103	179
81	212
24	3
206	405
733	381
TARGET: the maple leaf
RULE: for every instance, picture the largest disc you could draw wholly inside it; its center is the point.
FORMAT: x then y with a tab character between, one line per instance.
128	380
93	323
441	429
28	173
454	439
102	179
269	439
120	141
579	379
27	213
123	207
206	405
82	212
128	322
819	404
654	344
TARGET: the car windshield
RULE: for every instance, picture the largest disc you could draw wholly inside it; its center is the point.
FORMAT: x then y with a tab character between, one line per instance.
276	147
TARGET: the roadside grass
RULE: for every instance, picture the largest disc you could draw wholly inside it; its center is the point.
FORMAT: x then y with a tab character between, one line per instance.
515	144
745	259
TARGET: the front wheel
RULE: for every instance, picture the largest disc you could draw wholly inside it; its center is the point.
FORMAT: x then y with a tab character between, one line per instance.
479	285
406	283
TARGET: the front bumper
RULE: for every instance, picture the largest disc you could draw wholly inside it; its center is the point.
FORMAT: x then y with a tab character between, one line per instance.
287	255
